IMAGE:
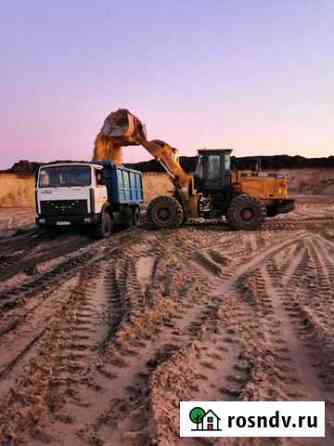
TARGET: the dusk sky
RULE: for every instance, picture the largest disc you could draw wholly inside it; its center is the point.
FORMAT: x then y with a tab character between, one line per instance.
256	76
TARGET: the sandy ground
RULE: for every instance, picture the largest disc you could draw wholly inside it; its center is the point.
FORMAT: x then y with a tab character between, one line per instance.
13	219
99	341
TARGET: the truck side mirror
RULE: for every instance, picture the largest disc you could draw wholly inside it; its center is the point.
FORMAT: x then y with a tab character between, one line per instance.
100	180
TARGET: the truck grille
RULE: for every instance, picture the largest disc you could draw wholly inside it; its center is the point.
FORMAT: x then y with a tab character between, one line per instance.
64	207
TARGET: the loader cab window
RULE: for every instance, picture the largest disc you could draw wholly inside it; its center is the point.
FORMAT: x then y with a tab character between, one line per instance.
199	172
213	167
227	162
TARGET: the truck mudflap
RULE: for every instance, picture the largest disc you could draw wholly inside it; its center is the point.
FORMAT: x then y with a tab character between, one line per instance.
281	207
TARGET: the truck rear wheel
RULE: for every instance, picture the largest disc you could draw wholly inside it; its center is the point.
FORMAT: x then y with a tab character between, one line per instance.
136	216
105	227
165	212
246	212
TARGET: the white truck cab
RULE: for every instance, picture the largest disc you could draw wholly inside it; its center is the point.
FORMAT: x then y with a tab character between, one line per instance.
98	194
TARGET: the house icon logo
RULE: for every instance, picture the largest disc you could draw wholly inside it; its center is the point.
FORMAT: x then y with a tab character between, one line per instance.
204	420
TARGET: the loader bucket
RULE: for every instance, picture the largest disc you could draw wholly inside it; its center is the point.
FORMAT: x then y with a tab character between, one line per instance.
122	126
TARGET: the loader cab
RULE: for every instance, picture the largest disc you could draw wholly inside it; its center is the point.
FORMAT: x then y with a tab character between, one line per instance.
213	171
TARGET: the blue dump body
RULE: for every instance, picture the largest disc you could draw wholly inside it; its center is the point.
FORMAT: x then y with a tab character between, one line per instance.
125	186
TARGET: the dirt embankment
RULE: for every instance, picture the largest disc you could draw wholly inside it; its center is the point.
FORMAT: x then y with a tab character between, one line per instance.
17	191
310	180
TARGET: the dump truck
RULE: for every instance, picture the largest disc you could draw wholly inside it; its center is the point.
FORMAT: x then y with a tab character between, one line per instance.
244	198
99	195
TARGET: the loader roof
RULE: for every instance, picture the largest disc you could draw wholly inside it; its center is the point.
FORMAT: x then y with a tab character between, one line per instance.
214	151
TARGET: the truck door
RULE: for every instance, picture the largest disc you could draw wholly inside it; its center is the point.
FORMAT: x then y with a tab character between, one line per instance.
100	192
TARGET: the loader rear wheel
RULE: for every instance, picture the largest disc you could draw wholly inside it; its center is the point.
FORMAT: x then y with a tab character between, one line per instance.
246	213
165	212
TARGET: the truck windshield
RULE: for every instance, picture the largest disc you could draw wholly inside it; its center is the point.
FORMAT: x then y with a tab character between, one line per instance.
64	176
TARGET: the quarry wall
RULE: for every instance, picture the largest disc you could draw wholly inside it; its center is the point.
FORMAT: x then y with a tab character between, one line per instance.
19	190
309	180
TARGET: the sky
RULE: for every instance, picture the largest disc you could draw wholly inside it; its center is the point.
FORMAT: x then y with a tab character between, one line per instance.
256	76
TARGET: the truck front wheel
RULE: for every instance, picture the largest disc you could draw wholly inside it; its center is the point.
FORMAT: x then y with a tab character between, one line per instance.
105	227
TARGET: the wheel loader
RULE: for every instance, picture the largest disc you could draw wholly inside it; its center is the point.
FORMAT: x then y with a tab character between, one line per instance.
244	198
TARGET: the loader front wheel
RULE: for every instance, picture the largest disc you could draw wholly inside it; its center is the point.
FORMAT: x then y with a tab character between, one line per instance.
246	213
165	212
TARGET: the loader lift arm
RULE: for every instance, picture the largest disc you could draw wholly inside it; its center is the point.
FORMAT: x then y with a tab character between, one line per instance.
110	148
122	128
168	157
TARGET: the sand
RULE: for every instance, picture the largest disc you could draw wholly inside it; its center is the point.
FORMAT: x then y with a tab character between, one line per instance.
99	341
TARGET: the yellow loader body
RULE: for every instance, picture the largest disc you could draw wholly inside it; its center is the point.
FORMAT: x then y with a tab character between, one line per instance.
264	187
